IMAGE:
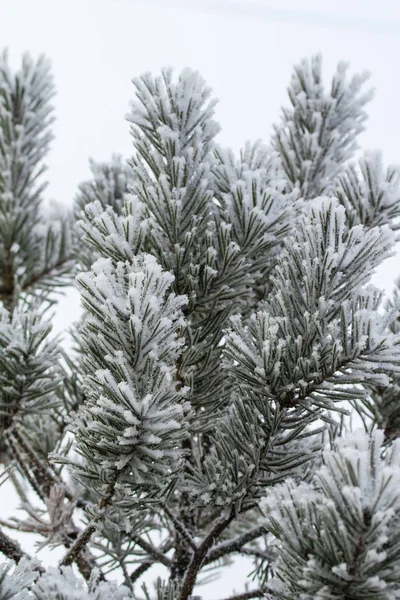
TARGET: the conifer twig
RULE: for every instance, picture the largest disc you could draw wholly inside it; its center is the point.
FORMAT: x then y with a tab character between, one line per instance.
179	526
80	543
256	593
157	554
11	548
198	556
234	545
140	570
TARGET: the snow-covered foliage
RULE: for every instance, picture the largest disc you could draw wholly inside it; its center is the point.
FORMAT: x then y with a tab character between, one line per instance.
28	365
107	190
338	536
132	420
318	133
35	247
22	582
371	197
15	580
229	324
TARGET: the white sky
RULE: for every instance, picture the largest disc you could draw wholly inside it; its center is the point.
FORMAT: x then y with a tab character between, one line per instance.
245	50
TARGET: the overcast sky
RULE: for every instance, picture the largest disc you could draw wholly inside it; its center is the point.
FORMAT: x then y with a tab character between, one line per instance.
245	51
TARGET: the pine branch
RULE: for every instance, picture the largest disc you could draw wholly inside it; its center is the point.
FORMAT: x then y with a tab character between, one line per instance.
257	593
21	463
180	527
78	546
235	545
84	538
14	479
201	552
11	548
256	553
140	570
30	284
152	551
43	474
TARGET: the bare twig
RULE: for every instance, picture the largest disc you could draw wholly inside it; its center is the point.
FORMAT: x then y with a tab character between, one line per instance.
78	546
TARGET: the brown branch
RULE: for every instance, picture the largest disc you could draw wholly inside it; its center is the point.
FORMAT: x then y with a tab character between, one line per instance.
45	477
154	552
21	463
78	546
36	278
134	576
199	555
257	593
179	526
138	572
234	545
11	548
83	539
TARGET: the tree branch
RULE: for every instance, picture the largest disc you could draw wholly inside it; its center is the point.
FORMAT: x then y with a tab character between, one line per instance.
138	572
257	553
80	543
154	552
11	548
78	546
200	553
44	476
257	593
46	273
134	576
179	526
8	436
234	545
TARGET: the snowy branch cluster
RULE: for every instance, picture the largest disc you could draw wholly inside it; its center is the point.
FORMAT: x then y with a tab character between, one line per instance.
230	337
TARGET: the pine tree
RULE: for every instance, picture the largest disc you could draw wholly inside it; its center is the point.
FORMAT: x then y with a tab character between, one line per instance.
229	330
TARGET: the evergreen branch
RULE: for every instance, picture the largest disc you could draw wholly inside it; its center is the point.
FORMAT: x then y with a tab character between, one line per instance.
83	539
257	553
257	593
45	477
235	545
201	552
11	548
180	527
78	546
14	480
21	463
140	570
157	554
46	273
